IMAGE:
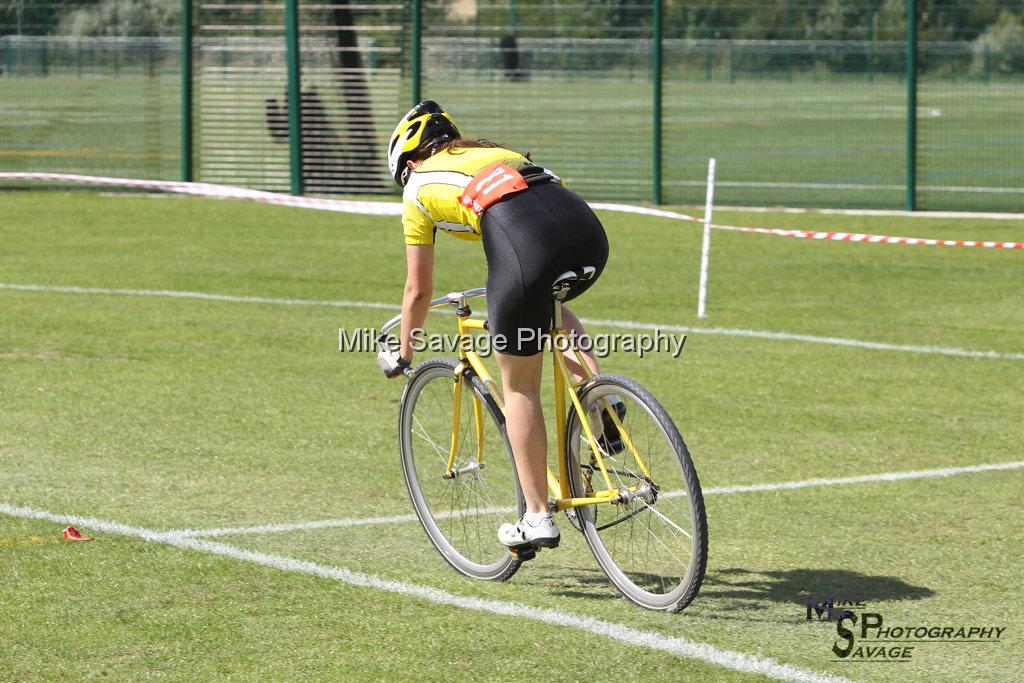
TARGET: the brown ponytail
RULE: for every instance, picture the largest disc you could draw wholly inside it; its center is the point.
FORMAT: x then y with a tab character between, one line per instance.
454	146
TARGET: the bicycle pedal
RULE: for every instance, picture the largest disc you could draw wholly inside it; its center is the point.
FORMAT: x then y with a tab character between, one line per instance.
523	553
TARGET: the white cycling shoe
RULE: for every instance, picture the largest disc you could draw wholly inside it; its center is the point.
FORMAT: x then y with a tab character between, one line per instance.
523	535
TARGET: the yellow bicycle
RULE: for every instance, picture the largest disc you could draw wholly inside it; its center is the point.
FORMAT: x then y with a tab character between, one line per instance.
637	499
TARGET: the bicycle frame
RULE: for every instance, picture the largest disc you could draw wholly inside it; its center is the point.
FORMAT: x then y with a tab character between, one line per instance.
565	384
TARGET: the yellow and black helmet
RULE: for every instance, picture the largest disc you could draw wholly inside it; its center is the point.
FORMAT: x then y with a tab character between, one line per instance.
424	128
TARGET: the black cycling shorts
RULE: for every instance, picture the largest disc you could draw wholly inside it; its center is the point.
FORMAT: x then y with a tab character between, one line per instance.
530	238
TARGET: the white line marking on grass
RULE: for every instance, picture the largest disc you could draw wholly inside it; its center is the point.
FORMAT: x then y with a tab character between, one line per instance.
293	526
320	524
807	338
621	324
680	647
177	294
865	478
712	491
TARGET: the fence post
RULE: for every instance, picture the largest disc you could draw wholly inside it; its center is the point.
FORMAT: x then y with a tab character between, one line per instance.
416	47
291	22
657	67
707	37
911	105
186	90
732	60
871	46
791	28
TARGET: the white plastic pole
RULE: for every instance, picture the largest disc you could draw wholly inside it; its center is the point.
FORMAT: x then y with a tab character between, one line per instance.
705	248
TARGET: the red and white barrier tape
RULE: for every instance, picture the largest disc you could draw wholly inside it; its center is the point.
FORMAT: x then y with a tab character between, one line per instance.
395	208
811	234
874	239
220	192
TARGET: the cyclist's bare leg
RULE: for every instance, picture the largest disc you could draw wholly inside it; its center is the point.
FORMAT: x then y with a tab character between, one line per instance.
574	328
524	420
602	424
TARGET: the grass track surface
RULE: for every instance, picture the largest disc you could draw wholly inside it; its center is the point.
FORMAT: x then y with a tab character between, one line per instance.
170	414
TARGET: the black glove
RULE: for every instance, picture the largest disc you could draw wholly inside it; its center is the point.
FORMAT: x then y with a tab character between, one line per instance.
401	366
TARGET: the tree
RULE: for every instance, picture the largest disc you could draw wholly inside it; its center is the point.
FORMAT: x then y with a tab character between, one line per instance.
1001	47
122	18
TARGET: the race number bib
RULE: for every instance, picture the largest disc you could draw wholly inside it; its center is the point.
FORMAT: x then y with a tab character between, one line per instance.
489	186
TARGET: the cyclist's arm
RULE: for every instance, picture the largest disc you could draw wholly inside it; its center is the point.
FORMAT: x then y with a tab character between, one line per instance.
419	283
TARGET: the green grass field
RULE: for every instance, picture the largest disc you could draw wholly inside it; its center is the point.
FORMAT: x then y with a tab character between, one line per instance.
833	142
128	126
166	413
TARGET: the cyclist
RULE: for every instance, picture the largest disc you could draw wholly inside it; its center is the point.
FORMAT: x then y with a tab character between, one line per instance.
533	230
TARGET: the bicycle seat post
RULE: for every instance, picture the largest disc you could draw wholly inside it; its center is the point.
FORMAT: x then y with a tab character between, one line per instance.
562	285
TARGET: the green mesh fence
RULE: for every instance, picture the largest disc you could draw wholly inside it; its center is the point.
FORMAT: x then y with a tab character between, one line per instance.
785	127
802	103
971	124
240	82
86	89
351	74
578	97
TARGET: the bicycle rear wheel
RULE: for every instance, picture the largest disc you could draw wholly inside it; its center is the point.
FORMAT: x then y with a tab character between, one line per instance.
653	543
461	514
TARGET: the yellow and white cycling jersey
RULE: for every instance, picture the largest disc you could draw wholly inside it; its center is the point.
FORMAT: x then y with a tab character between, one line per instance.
432	195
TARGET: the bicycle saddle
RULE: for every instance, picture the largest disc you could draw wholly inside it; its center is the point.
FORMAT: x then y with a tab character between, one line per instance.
563	283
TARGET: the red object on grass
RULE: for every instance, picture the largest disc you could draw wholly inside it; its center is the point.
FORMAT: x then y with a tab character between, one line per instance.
73	534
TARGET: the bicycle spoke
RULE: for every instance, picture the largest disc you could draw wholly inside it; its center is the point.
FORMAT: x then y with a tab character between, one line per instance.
647	543
422	433
461	510
665	519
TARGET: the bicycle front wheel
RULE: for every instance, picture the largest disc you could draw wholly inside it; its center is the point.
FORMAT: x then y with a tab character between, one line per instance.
652	542
460	509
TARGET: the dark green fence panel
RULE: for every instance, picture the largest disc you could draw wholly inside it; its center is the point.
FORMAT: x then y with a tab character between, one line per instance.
785	128
566	84
971	126
803	103
350	55
241	103
86	90
353	93
970	105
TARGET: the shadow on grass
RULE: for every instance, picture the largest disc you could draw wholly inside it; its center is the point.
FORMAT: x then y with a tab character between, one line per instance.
758	595
737	586
749	591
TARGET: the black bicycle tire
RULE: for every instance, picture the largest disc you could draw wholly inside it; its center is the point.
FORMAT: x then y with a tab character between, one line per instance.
509	565
697	569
